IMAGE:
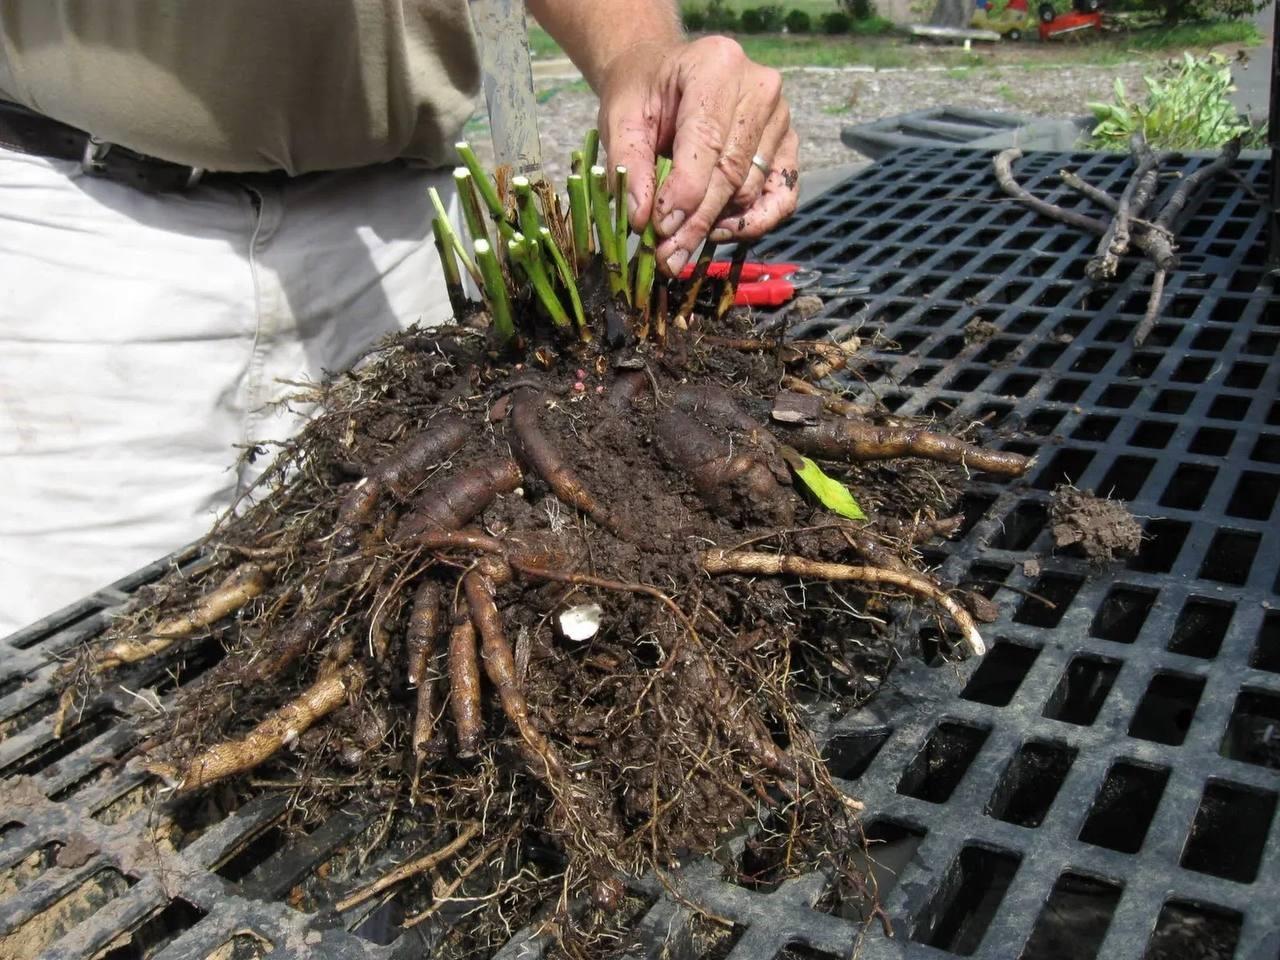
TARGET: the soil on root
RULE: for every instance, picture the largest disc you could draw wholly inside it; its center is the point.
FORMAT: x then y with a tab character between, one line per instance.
1102	530
400	655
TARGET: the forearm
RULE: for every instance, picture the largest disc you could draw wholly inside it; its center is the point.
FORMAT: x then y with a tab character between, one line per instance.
593	32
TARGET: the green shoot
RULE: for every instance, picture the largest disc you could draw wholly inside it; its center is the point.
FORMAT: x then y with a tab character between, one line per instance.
566	276
495	291
524	251
646	261
452	278
621	225
606	233
442	217
526	206
578	163
488	192
464	181
580	217
591	148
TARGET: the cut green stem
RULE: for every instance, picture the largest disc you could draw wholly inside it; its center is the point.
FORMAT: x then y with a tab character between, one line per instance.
488	192
695	283
591	148
470	203
621	225
442	217
485	186
646	260
452	278
606	233
578	163
524	252
526	206
566	276
580	218
495	291
730	291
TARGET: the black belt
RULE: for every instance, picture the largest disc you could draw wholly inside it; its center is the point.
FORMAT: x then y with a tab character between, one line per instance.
29	132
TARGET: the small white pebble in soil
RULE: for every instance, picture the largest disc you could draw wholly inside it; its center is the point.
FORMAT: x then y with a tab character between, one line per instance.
581	622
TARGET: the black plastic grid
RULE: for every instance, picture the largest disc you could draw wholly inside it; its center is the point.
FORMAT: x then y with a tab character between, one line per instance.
1106	778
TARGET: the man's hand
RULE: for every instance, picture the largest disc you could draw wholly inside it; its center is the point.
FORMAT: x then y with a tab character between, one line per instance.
716	111
703	103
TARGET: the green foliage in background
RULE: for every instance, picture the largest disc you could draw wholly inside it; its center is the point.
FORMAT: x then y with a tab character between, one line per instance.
858	17
1187	108
766	19
798	22
837	21
859	9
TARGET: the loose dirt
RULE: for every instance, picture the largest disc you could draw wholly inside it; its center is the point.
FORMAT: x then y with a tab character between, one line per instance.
1102	530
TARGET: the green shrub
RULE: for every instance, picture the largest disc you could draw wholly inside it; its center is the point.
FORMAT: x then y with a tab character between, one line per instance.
1187	108
773	17
720	16
873	26
694	18
836	22
766	19
859	9
798	21
1175	11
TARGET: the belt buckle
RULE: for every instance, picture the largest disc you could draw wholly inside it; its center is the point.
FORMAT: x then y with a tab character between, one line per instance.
93	162
95	155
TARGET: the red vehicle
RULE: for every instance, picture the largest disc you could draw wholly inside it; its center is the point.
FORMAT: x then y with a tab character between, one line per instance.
1086	15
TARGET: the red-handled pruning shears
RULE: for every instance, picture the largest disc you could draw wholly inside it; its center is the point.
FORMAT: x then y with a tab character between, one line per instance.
772	284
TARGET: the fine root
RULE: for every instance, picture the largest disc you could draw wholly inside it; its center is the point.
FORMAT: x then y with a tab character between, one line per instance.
413	868
775	564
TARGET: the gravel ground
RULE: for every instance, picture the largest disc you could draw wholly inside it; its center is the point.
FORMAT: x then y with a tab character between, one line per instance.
824	100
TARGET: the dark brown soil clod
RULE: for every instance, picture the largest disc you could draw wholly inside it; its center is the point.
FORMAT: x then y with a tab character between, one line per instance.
1103	530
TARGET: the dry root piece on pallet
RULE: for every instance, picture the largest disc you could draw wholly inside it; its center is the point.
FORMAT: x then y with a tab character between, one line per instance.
1154	236
401	625
278	731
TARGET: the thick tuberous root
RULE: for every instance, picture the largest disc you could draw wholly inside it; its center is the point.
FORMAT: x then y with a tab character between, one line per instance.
854	440
279	730
545	613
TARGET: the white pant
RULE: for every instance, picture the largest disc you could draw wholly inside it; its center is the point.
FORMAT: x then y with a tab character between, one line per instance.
141	337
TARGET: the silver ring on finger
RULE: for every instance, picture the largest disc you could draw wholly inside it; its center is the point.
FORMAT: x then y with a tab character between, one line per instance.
761	164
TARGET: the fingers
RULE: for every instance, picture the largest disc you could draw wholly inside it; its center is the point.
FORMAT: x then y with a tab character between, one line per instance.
770	143
704	124
776	202
709	172
631	128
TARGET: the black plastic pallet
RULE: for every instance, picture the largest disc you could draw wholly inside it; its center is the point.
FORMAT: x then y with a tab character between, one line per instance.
1103	783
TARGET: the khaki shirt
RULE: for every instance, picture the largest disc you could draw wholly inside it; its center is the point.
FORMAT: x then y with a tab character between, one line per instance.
238	85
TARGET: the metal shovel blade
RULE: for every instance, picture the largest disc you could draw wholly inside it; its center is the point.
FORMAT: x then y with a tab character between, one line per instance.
502	31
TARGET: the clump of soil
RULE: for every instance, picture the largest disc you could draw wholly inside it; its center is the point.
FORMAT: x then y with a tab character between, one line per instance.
979	331
1102	530
408	611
